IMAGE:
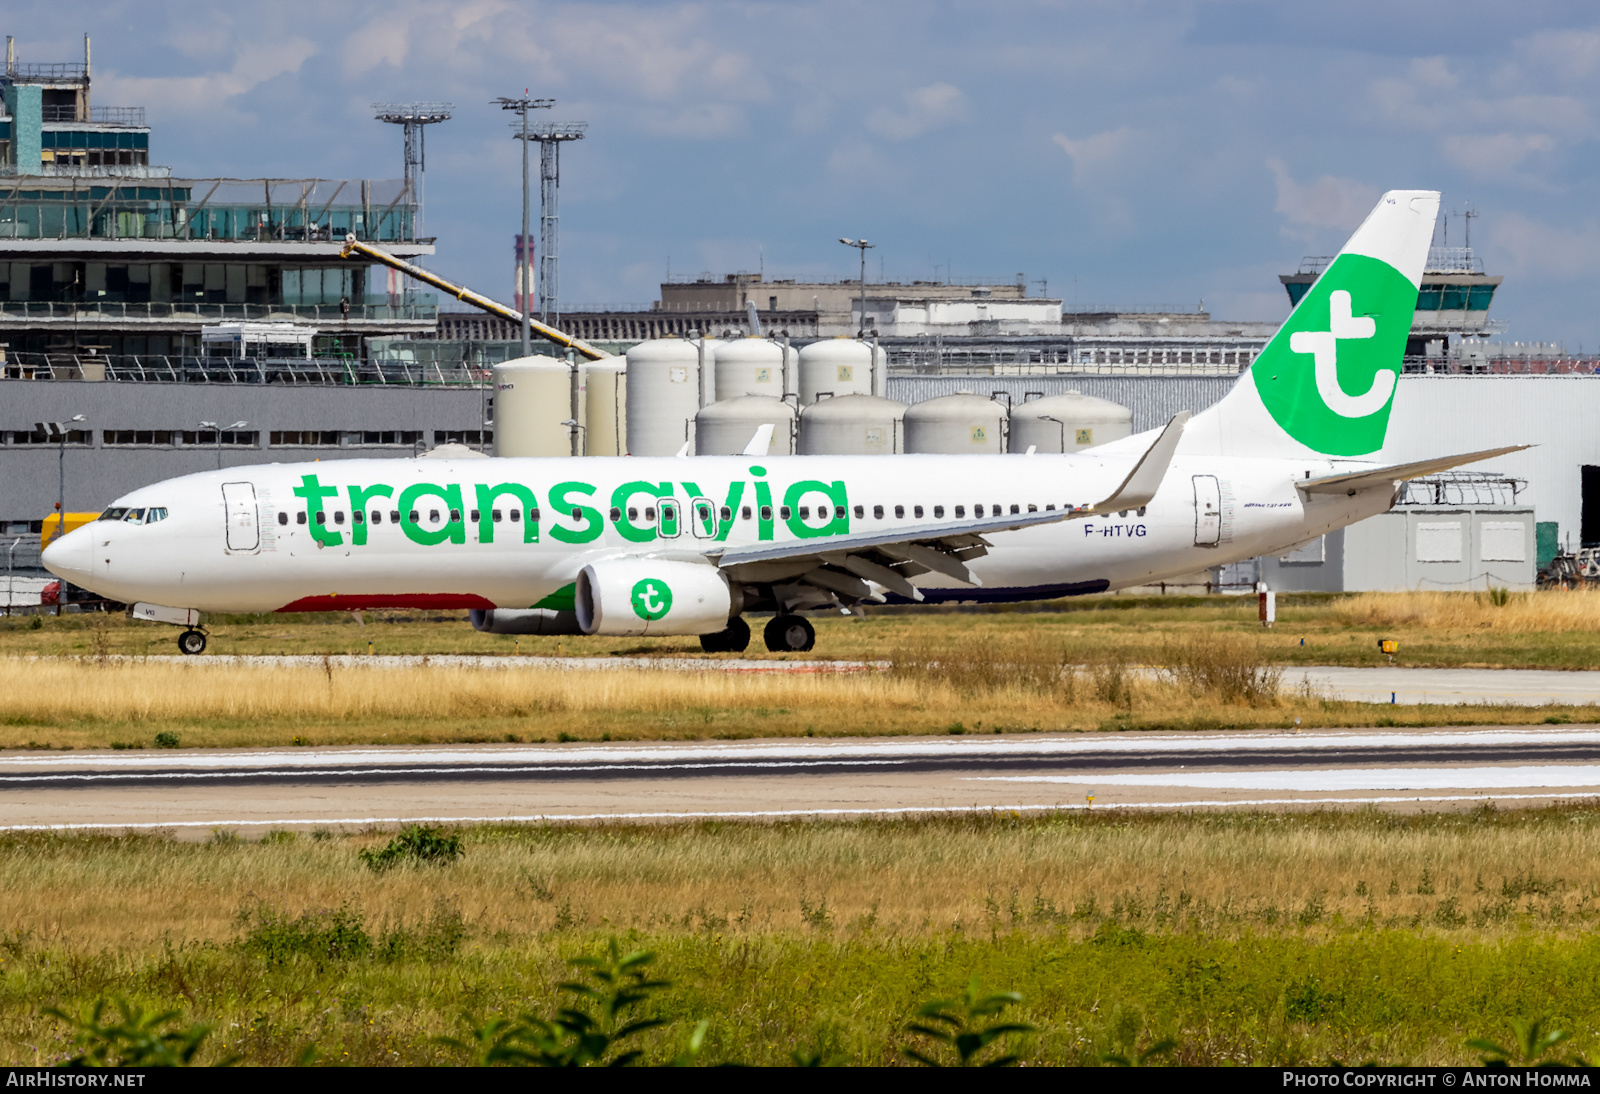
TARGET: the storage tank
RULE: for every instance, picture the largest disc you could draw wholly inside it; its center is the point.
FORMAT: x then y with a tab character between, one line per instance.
725	428
663	394
532	397
748	366
961	424
851	425
837	367
1080	421
605	415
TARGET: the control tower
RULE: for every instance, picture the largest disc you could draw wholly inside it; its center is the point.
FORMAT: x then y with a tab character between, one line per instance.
1454	301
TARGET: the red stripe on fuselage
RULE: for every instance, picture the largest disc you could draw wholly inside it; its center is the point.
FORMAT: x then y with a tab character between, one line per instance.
364	601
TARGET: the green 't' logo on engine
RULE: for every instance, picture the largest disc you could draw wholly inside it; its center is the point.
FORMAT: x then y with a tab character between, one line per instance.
651	599
1328	377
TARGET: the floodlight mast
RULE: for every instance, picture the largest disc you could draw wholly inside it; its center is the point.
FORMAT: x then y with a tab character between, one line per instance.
525	269
863	246
413	117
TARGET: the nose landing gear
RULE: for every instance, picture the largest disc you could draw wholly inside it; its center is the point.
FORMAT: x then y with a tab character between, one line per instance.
192	642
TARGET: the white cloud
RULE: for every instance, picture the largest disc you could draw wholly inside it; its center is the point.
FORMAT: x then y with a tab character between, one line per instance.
1328	202
1096	152
255	64
922	110
1524	246
1496	155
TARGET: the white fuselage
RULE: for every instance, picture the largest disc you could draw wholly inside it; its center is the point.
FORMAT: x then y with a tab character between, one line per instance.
247	539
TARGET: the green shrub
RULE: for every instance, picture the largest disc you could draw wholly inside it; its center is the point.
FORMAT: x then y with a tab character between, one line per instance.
415	843
166	739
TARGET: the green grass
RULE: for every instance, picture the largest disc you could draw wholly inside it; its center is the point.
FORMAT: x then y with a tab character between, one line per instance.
1245	939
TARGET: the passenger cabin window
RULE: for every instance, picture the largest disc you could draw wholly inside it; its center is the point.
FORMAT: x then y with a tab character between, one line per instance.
394	516
861	511
283	518
977	510
433	516
783	512
322	518
474	516
633	513
358	516
916	511
516	515
377	516
746	512
338	518
961	511
650	513
300	518
455	516
616	513
838	512
413	516
766	512
1014	509
725	513
877	512
805	512
494	515
938	510
899	511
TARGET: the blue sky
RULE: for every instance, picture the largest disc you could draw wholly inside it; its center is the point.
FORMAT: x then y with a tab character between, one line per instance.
1129	154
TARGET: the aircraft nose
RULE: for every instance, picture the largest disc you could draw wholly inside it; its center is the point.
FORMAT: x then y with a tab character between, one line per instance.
71	557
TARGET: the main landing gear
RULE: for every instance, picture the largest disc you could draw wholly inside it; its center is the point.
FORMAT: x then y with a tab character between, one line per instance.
736	639
789	634
192	642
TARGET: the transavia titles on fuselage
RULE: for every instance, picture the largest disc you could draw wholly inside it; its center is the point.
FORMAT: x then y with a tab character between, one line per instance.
687	545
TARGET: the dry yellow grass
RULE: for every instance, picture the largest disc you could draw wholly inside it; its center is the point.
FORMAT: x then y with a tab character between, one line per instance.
915	879
1548	611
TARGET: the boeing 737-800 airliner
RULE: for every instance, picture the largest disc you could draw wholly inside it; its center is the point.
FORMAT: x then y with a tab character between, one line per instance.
686	546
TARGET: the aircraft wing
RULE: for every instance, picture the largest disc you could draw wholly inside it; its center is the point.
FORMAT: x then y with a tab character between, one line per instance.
843	564
1355	481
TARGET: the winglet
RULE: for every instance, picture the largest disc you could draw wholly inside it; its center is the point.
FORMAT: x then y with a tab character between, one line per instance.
683	453
1145	478
761	442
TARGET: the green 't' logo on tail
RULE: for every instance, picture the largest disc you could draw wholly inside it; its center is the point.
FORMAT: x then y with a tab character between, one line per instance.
1328	376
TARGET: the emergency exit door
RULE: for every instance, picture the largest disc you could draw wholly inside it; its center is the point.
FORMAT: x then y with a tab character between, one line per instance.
1207	511
239	499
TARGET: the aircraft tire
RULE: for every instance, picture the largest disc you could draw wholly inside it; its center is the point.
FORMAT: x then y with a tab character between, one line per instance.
192	642
789	634
735	639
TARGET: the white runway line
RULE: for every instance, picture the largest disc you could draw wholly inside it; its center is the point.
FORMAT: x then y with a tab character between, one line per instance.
1358	778
808	749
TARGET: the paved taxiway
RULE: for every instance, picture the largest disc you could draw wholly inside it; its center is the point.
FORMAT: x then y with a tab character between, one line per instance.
195	791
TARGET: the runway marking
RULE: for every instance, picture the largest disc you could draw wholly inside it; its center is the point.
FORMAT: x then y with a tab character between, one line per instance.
901	747
780	814
1453	778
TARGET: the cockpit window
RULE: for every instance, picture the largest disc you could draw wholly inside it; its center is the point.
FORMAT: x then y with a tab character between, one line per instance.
153	515
135	516
114	514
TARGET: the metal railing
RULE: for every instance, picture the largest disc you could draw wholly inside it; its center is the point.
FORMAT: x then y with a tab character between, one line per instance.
1573	365
52	70
153	368
98	115
398	308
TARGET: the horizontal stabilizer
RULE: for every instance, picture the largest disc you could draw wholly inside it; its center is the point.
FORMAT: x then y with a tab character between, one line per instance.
1354	482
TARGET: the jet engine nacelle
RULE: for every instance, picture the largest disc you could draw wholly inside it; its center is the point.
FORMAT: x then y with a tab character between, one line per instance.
636	596
524	621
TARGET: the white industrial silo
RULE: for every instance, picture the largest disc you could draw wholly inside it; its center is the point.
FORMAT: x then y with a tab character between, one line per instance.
532	397
962	424
663	394
1068	423
725	428
851	425
606	410
837	367
748	366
